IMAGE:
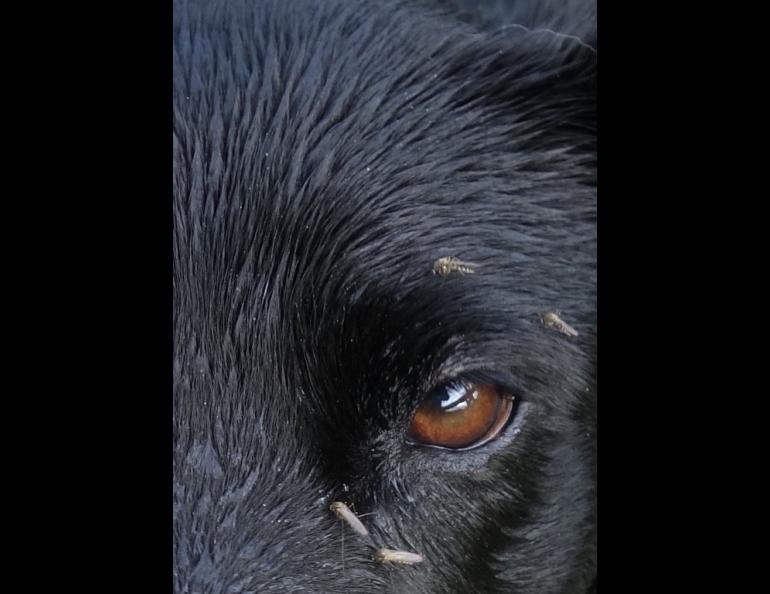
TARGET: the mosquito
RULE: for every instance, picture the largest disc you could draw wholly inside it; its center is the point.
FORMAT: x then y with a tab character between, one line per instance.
402	557
552	319
447	265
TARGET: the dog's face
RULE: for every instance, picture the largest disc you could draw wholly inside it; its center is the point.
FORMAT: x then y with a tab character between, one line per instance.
325	157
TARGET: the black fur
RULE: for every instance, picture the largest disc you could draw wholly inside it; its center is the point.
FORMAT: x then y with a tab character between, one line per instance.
325	154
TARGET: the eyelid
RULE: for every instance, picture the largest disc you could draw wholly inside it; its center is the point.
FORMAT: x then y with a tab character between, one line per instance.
503	381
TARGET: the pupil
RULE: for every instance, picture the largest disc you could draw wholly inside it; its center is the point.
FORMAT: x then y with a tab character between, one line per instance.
454	398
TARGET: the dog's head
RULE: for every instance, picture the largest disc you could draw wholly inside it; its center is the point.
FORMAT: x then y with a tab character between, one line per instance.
326	156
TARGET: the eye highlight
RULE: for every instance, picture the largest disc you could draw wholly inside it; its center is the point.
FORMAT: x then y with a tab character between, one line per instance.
461	415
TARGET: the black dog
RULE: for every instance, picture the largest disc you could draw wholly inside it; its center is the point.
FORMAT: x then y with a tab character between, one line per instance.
384	293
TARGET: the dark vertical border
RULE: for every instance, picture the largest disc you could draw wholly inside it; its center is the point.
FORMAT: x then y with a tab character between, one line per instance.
649	205
119	217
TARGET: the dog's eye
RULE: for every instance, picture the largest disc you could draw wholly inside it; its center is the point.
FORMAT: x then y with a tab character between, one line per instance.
461	415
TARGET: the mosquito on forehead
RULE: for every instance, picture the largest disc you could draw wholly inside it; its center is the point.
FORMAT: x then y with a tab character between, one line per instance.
553	320
449	264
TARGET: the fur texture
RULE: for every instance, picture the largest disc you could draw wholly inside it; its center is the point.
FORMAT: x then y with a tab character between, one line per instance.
326	153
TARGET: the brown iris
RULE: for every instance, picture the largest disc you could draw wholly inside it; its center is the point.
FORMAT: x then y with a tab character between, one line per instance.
461	415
